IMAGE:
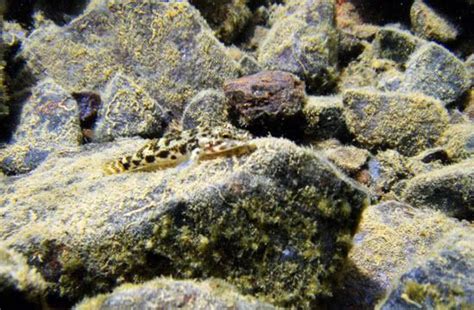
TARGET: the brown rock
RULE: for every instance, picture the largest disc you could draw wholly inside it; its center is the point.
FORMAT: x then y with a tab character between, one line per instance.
265	99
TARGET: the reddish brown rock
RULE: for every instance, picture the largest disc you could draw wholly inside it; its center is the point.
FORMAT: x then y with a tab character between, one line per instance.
266	100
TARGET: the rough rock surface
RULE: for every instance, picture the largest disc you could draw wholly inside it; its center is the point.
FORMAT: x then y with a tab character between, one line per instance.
324	118
395	44
208	107
166	47
127	110
174	294
390	238
265	100
450	190
303	40
408	123
49	121
429	24
436	72
458	140
227	218
21	286
442	280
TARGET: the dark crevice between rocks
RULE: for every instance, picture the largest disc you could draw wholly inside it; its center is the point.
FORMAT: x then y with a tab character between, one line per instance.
383	12
19	81
59	11
89	103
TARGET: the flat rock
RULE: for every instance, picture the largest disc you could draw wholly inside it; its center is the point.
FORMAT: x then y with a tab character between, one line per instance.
174	294
303	40
391	237
395	44
408	123
450	190
165	47
127	110
226	218
430	24
434	71
441	280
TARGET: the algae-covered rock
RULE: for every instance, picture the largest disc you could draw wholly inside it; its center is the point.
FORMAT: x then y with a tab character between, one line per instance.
127	110
226	17
441	280
324	117
408	123
348	158
450	190
429	24
173	294
395	44
434	71
21	286
49	121
303	40
277	223
167	49
458	140
207	108
391	236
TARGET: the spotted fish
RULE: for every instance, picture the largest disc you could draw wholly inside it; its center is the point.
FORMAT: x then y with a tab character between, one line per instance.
178	146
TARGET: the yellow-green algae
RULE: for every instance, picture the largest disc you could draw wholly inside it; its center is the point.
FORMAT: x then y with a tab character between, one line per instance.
277	224
391	236
166	47
185	294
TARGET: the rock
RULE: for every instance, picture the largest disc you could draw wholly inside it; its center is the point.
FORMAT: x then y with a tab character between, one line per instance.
469	110
390	237
227	18
167	49
431	25
408	123
50	114
450	190
324	118
441	280
348	158
174	294
21	286
469	63
226	218
128	110
249	65
207	108
303	40
49	120
458	140
268	100
434	71
395	44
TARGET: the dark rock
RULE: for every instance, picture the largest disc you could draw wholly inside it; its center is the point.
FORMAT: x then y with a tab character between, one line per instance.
431	25
441	280
303	40
434	71
174	294
408	123
266	100
227	218
324	118
207	108
127	110
167	49
395	44
226	17
89	103
390	237
450	190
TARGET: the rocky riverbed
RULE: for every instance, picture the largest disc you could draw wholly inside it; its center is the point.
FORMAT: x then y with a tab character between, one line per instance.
266	154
